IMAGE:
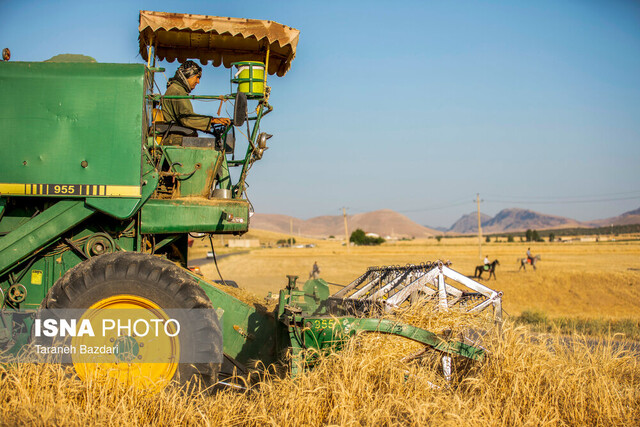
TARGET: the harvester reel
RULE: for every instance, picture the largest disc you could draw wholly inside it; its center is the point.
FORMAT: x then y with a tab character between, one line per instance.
98	244
17	293
394	286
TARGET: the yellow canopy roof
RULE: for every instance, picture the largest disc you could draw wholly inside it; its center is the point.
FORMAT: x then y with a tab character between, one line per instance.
217	39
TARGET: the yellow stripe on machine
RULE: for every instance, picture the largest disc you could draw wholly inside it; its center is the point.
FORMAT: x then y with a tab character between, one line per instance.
18	189
70	190
123	190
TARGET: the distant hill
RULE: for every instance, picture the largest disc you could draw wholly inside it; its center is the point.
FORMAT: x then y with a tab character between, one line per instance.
627	218
513	219
522	219
71	57
382	222
389	223
469	223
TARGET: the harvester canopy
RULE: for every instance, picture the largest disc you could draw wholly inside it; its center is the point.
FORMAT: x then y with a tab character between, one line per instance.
218	39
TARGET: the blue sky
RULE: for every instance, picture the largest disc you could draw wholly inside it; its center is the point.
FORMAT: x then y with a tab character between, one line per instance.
414	106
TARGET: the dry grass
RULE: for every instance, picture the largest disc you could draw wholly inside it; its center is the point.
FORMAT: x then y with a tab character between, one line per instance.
525	382
592	280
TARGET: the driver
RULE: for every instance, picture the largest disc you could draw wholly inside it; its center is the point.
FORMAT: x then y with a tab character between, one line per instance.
180	111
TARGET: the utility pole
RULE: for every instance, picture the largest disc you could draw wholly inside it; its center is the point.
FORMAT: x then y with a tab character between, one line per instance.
291	232
346	232
479	227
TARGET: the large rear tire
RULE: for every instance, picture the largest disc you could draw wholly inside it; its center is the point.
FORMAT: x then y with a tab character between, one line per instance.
127	280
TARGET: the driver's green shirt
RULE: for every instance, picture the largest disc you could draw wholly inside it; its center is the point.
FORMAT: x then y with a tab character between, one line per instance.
180	111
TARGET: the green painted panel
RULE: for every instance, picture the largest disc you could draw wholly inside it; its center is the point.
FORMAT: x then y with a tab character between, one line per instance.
194	214
123	207
248	334
55	116
39	231
196	166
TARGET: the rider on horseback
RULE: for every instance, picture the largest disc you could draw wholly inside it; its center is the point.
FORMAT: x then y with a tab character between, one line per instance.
529	256
490	267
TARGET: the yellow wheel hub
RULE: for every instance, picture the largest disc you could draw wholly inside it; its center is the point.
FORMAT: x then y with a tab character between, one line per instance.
131	355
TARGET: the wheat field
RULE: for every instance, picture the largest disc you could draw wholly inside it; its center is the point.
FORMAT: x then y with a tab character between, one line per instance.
588	279
522	383
526	380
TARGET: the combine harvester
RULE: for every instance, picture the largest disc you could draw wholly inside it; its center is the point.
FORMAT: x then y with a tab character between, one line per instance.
96	210
391	287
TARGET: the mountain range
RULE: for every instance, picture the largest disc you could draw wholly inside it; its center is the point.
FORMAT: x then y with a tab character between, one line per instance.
627	218
513	219
384	222
388	223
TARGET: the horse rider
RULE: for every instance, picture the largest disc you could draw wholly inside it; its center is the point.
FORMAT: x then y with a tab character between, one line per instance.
315	272
486	263
529	256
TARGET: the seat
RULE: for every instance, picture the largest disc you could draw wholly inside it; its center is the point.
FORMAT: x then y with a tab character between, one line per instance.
170	133
170	128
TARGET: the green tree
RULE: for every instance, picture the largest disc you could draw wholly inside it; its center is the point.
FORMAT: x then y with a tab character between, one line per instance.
529	235
510	239
535	236
488	239
290	241
376	240
552	237
438	238
359	238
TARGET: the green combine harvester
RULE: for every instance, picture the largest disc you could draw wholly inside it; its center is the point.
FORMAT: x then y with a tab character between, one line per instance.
95	211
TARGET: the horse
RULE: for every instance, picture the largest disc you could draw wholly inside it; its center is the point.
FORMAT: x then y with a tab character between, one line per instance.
524	261
492	270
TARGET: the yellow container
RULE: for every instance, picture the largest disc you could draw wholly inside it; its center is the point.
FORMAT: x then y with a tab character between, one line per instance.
250	77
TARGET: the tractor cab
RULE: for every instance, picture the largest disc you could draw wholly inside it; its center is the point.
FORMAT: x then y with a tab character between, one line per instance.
196	163
247	47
